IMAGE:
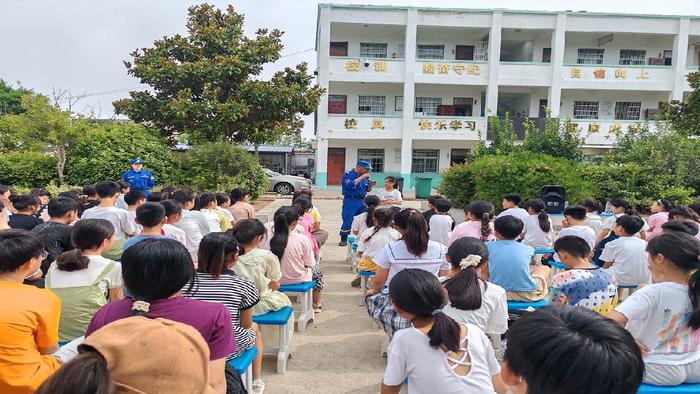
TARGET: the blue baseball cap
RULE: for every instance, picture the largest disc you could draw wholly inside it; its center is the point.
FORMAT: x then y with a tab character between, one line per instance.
136	161
364	164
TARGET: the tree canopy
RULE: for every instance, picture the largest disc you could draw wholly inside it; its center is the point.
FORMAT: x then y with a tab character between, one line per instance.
11	99
685	114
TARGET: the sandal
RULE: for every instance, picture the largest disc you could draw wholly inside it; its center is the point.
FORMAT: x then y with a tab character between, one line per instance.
317	308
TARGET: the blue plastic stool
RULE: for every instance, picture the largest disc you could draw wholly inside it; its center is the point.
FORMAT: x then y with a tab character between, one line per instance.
544	251
351	242
280	319
557	267
519	305
303	292
686	388
244	366
630	289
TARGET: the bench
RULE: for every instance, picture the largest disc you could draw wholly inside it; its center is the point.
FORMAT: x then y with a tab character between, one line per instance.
280	319
557	267
351	241
519	305
303	292
686	388
244	366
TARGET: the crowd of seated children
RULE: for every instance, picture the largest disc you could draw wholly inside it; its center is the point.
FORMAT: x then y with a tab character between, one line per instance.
56	232
240	205
223	203
472	300
431	207
374	239
413	250
510	263
582	283
477	222
216	219
618	207
151	217
537	226
682	225
25	207
389	195
123	189
574	223
364	220
626	256
295	252
90	197
436	354
124	226
441	224
681	212
664	317
659	215
134	199
320	234
593	219
510	204
215	281
173	214
193	223
306	221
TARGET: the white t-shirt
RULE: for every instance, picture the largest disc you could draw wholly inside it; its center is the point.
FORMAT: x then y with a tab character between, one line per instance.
609	223
85	277
658	315
491	317
594	222
382	238
534	236
175	233
581	231
195	227
123	224
213	220
132	217
441	228
629	258
358	223
394	195
410	355
395	257
517	212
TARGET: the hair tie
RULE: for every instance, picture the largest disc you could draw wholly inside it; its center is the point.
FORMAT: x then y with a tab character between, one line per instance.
435	312
412	213
471	260
141	306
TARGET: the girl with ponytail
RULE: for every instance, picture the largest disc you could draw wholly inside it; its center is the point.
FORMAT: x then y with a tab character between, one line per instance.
364	220
538	225
83	279
373	240
295	252
664	317
477	222
437	354
471	299
412	250
618	207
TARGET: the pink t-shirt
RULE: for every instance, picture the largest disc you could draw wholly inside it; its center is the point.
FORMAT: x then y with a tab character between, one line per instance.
655	222
470	228
307	223
297	260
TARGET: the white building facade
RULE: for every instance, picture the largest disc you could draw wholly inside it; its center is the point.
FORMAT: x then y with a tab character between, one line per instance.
409	89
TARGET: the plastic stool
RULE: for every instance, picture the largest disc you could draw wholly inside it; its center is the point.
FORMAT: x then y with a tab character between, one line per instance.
303	291
244	366
280	319
686	388
519	305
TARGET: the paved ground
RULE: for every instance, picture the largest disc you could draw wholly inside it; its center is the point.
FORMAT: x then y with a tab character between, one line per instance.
339	352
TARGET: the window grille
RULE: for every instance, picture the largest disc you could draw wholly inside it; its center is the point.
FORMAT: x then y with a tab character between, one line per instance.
371	105
590	56
632	56
430	52
585	110
425	160
427	105
375	157
373	49
628	110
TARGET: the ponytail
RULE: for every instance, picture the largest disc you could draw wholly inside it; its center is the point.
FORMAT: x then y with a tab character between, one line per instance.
86	373
372	202
537	206
622	203
381	219
282	219
85	235
694	293
414	231
483	211
445	332
485	228
72	260
466	254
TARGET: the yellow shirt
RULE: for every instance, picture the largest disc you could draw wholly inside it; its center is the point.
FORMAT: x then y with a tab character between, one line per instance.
28	321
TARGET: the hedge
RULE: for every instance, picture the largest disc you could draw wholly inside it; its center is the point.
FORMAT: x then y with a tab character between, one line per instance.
27	169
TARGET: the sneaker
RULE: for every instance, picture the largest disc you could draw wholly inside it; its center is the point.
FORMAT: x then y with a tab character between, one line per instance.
343	243
258	386
355	282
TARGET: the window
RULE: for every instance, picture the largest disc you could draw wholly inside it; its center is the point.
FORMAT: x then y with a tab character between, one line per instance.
371	105
430	52
628	110
427	105
375	157
425	160
585	110
546	55
590	56
373	49
398	103
339	49
632	56
337	103
397	156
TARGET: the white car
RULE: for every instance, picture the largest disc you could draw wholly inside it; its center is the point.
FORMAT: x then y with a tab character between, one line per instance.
286	184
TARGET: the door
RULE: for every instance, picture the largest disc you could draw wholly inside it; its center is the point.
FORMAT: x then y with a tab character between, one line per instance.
463	106
458	156
546	55
339	48
337	104
542	112
464	52
336	165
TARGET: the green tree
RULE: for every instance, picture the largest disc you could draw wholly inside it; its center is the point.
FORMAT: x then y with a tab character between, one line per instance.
205	85
501	136
558	139
685	114
11	99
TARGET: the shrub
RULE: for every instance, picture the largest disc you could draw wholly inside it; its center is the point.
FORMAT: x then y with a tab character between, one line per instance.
104	151
27	169
458	184
222	166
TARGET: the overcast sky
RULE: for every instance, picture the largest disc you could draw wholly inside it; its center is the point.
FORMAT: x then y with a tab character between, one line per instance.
79	45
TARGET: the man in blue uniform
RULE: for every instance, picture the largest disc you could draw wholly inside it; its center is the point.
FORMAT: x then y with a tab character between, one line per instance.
138	178
355	186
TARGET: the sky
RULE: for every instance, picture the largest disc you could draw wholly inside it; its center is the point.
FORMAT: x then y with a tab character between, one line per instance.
79	45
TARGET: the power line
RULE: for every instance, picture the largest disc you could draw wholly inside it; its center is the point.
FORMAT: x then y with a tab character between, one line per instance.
296	53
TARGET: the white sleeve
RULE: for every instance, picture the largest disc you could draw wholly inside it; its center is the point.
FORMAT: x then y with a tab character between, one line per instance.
114	277
355	226
639	304
498	320
395	372
383	258
128	225
609	252
494	366
397	194
361	240
443	252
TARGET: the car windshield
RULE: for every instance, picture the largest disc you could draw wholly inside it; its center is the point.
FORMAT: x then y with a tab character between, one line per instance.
269	172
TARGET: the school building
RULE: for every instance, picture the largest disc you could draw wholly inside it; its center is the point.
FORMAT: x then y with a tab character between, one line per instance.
409	89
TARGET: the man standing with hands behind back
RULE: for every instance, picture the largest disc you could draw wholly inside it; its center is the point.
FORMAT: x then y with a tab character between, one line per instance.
355	185
138	178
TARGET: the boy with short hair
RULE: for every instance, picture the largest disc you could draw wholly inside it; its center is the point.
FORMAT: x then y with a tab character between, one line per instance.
389	195
124	227
134	199
173	214
431	207
121	204
92	199
574	223
151	217
441	223
626	257
509	263
510	205
539	359
55	233
28	317
583	283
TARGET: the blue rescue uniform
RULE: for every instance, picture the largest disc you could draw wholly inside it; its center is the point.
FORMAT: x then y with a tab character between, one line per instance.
353	199
142	180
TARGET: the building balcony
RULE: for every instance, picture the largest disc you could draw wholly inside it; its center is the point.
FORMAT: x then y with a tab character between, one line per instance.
355	69
525	74
617	77
470	128
365	126
452	72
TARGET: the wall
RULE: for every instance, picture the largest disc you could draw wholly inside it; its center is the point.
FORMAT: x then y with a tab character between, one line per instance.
448	92
449	37
648	99
356	33
354	90
652	44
